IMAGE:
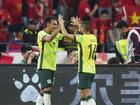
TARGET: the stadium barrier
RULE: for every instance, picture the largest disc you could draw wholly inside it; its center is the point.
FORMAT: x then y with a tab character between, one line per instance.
113	85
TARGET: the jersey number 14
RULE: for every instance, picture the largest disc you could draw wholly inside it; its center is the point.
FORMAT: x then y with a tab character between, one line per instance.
92	51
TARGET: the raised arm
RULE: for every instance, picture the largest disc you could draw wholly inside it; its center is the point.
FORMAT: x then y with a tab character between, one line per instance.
76	22
63	29
49	38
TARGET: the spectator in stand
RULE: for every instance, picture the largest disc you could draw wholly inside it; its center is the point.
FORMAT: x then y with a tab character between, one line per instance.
105	4
118	15
126	3
129	2
133	39
74	7
29	56
4	36
5	16
30	9
55	7
30	33
84	9
113	60
102	27
65	8
24	12
14	7
43	9
4	22
118	9
72	56
94	5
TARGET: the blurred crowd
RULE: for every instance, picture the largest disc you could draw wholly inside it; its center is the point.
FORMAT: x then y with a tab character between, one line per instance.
20	20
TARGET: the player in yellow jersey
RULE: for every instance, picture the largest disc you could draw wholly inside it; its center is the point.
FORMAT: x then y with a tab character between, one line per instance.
48	39
87	45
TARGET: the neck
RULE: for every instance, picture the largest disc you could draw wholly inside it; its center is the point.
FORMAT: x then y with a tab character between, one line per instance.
86	32
47	30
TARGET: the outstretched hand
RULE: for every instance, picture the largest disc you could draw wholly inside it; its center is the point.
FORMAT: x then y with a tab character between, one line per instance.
61	23
60	19
75	21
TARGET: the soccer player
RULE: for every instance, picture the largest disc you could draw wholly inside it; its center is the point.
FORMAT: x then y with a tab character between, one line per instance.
48	39
87	45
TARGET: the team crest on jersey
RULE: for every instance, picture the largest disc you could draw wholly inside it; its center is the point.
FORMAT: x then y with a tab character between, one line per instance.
49	81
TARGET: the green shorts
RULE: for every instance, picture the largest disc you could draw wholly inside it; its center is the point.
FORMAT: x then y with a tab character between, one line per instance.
85	80
46	78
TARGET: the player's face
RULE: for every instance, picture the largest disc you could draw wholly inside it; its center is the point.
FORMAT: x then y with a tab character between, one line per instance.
123	30
53	25
71	29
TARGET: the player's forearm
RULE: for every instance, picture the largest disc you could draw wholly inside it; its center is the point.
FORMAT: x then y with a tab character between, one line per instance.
66	34
70	36
29	61
63	29
54	34
49	38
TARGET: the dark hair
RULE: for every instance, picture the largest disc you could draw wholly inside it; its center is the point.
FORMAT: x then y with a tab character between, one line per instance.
122	24
104	11
71	49
86	26
86	18
25	48
68	23
114	60
32	22
49	18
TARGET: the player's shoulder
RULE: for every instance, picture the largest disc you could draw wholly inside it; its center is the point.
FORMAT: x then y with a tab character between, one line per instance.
94	36
60	34
91	37
41	31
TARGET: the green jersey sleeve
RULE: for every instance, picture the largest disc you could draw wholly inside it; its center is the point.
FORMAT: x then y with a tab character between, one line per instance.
59	36
41	35
79	38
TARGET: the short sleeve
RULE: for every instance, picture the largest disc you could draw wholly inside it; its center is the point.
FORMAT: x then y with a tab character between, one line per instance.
41	35
79	38
59	36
